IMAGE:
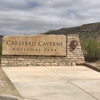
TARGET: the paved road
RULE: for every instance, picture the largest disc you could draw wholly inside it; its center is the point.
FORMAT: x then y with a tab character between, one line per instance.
55	83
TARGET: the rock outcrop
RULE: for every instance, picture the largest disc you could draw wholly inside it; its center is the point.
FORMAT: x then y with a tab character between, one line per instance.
86	31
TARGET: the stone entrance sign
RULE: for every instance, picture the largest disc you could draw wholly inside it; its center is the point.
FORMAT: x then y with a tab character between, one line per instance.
52	45
41	50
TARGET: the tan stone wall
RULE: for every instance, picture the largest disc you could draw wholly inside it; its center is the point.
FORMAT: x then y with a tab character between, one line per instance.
33	61
76	55
73	57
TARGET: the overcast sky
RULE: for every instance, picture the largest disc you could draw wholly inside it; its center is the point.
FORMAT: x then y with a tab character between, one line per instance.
37	16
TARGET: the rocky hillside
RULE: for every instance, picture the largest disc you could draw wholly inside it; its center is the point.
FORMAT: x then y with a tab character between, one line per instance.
85	31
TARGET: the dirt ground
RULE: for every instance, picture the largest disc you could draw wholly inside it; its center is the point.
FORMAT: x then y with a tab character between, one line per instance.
96	63
6	87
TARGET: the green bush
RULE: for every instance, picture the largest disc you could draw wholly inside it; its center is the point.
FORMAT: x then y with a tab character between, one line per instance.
91	50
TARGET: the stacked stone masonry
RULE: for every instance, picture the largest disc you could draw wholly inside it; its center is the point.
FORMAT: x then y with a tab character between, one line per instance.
73	57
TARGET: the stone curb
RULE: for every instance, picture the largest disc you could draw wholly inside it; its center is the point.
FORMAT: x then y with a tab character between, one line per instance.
8	97
92	67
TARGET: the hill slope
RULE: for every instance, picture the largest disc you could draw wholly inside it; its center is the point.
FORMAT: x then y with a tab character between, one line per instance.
85	31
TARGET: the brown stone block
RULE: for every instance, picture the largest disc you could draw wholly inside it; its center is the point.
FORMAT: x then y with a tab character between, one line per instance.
42	60
62	64
3	65
47	64
39	64
49	60
73	64
54	64
4	62
38	60
33	63
58	60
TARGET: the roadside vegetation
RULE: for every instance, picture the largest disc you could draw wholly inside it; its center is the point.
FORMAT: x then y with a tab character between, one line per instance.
0	49
91	50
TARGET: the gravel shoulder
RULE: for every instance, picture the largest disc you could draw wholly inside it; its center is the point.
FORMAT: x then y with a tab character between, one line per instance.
94	65
6	86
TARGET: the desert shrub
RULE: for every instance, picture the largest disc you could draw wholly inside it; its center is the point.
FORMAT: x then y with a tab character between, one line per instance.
0	49
91	50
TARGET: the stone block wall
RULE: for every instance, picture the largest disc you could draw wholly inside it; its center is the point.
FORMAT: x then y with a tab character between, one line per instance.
34	61
73	57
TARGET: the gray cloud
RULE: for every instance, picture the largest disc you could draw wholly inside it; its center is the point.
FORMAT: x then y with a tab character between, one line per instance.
37	16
